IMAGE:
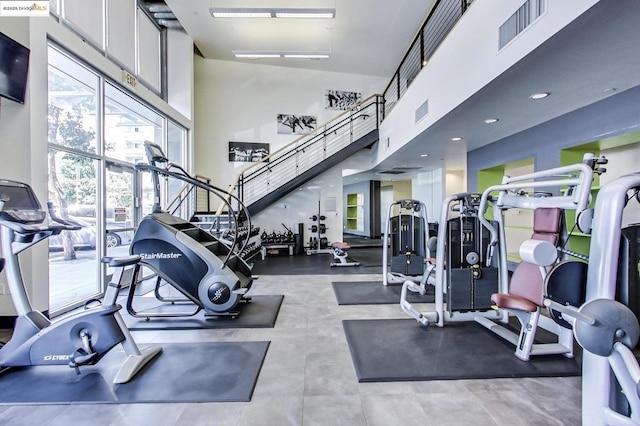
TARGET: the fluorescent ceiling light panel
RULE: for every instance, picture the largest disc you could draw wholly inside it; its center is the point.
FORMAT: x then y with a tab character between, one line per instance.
256	54
306	55
305	13
237	12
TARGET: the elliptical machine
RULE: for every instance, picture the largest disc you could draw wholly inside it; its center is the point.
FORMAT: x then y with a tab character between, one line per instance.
210	273
77	340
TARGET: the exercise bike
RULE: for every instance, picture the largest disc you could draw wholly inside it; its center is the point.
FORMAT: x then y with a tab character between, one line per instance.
77	340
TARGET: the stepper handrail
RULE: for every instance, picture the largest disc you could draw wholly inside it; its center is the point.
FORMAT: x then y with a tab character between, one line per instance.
286	148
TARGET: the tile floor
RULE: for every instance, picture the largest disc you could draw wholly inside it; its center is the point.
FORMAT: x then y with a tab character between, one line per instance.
308	379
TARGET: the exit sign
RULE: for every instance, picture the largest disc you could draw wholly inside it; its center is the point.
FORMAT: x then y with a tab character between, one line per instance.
129	79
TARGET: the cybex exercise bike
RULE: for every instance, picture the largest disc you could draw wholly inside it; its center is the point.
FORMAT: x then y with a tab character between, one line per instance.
77	340
210	273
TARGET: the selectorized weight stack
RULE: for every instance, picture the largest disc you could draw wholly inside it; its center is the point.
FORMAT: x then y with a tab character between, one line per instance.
470	282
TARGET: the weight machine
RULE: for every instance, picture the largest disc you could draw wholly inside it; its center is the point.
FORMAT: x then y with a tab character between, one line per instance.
522	295
406	234
463	280
605	328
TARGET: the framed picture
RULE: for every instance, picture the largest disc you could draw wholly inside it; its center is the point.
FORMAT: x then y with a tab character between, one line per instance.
248	151
341	100
289	124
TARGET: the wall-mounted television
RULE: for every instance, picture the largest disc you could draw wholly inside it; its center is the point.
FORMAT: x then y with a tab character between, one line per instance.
14	66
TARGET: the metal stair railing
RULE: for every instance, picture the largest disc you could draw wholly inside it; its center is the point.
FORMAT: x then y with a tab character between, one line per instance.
280	167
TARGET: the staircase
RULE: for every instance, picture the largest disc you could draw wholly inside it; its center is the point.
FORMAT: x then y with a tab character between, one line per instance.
262	183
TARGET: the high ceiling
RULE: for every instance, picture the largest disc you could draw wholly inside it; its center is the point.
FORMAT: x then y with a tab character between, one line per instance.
594	57
365	37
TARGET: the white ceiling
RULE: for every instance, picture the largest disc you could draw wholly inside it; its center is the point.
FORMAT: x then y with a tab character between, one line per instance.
580	65
366	36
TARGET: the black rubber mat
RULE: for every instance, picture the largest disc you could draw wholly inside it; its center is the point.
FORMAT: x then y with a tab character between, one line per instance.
402	350
319	264
374	293
261	312
184	372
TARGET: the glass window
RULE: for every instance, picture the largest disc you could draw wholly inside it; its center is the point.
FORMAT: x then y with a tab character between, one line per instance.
72	103
127	124
81	159
73	193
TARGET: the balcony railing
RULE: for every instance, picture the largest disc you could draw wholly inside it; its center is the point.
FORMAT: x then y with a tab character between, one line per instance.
441	18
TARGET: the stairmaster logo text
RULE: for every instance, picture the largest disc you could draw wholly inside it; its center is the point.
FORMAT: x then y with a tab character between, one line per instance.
152	256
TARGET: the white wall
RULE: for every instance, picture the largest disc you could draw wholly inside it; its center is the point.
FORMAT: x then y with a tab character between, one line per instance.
18	160
180	71
240	102
467	60
301	204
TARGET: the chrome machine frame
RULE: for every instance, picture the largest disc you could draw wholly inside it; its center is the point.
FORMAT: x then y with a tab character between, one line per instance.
575	181
439	316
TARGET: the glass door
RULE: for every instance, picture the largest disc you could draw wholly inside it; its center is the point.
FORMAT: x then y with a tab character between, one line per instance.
73	275
120	209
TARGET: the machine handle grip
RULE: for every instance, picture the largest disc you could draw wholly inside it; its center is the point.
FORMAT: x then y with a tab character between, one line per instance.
68	224
569	311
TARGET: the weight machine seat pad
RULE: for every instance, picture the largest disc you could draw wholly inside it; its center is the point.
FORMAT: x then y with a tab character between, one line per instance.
340	245
547	220
510	301
527	282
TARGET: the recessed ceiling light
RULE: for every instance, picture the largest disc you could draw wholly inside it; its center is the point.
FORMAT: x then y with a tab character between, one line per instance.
457	138
424	155
540	95
491	120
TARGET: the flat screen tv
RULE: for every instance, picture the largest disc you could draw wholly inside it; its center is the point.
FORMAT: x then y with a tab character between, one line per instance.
14	65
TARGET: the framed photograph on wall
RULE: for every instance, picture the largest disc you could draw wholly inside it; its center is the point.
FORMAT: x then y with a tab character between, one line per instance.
248	151
341	100
290	124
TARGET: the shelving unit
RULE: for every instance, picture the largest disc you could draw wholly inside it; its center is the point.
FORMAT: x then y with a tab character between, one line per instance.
355	212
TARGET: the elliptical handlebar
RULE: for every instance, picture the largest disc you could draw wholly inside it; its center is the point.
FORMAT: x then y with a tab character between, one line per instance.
68	224
218	192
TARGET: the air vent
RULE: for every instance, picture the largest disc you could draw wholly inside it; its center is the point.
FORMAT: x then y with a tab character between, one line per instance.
422	111
528	12
391	172
407	168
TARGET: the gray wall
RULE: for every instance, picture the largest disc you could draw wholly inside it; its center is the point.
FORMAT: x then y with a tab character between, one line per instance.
613	116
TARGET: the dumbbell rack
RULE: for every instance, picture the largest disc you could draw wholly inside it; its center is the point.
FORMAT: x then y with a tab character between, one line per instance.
318	244
276	241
